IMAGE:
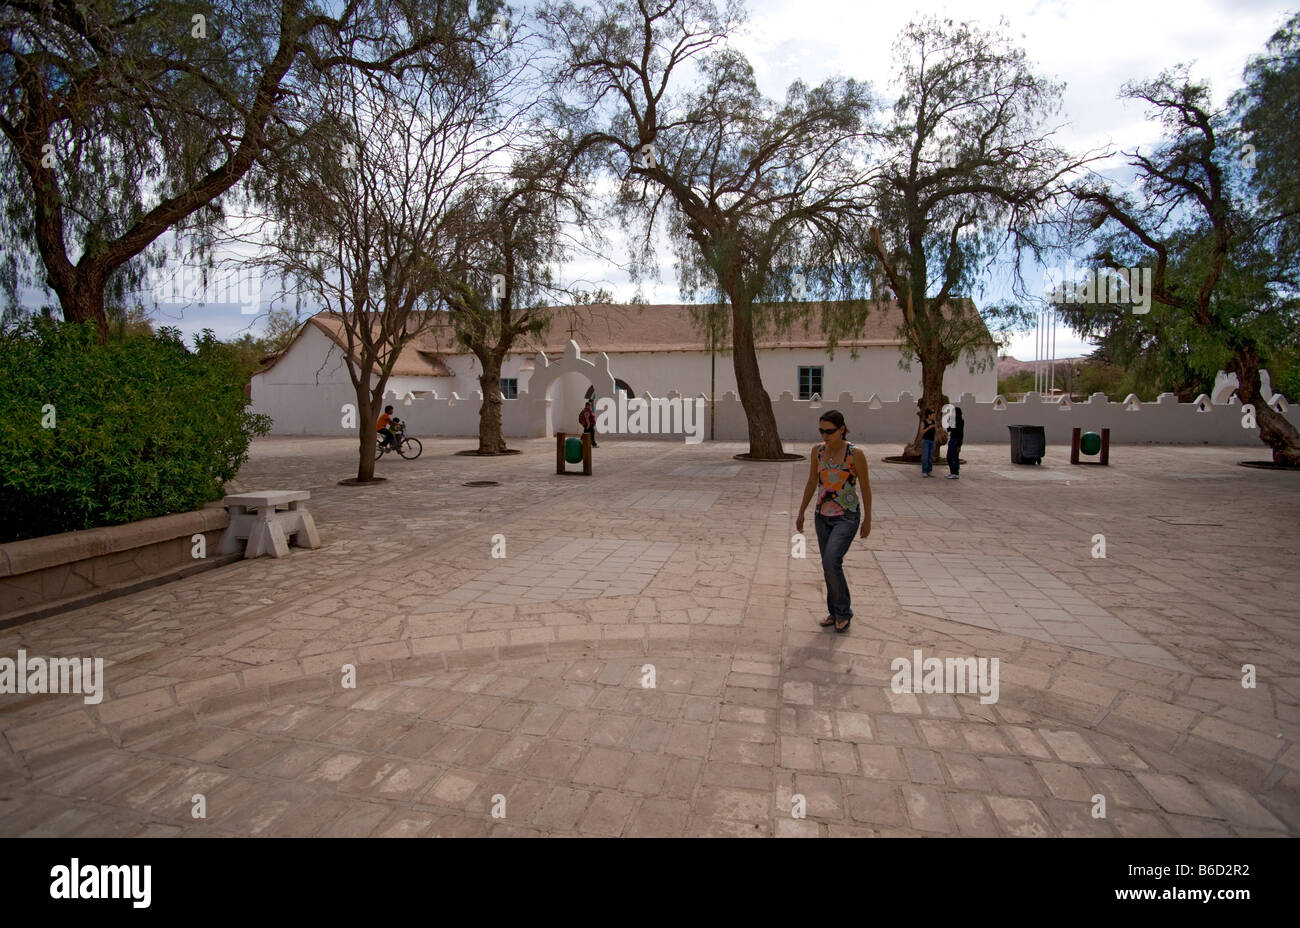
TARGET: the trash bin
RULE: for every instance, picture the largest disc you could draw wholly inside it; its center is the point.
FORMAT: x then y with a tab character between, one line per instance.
1028	444
573	450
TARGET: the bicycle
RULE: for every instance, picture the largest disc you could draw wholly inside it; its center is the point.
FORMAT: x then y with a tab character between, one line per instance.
409	448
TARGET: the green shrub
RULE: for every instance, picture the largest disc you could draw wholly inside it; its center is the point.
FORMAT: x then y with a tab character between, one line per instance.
142	426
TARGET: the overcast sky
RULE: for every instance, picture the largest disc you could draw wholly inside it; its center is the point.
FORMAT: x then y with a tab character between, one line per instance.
1094	46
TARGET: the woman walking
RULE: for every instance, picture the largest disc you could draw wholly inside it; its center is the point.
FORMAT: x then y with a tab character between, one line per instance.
955	436
838	474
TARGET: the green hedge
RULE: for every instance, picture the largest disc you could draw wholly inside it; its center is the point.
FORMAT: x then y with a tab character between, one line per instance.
142	427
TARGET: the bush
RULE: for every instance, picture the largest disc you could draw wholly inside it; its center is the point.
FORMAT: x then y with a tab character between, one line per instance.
94	435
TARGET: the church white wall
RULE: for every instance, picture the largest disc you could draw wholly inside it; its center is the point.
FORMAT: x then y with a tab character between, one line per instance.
306	390
875	370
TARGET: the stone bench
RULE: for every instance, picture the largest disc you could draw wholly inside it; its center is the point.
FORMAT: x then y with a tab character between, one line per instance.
268	519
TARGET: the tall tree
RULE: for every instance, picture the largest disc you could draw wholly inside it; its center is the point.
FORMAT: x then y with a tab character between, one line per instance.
756	193
507	237
968	164
124	119
1268	107
1222	290
361	206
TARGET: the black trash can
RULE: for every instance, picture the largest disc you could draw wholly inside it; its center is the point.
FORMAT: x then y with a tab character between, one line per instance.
1028	444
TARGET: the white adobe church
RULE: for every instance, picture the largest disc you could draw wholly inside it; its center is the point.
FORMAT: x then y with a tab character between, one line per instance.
652	350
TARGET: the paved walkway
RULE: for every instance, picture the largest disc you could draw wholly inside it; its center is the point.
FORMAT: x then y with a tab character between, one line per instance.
516	686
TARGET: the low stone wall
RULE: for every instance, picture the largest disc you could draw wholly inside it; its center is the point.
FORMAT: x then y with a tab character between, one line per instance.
1165	421
40	576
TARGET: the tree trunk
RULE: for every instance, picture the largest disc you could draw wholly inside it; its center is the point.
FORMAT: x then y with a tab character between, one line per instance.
368	406
1274	429
764	438
932	397
490	439
82	300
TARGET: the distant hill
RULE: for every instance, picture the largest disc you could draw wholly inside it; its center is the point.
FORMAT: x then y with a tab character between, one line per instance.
1009	366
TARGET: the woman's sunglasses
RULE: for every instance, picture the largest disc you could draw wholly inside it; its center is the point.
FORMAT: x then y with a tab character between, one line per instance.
829	431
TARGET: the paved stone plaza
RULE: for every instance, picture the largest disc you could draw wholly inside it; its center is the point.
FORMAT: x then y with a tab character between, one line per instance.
523	677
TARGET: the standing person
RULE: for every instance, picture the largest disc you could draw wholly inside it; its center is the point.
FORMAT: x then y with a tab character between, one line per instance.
955	436
927	444
843	508
587	419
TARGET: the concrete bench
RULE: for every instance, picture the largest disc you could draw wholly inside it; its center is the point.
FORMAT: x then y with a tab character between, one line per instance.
268	520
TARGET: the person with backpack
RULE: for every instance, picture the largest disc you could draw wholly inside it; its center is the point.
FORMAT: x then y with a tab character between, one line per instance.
838	474
955	436
587	419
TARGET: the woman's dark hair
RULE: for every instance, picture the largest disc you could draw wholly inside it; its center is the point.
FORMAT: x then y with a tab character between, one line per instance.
835	418
960	420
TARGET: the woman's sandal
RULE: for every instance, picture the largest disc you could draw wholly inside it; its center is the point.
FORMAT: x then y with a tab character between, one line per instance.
827	622
845	627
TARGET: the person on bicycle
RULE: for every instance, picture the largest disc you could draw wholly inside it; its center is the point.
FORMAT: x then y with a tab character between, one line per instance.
385	427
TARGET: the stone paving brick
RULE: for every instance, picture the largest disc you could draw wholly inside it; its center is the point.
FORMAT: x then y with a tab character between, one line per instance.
607	815
562	809
646	773
659	818
737	805
972	816
1119	788
923	766
1026	742
1019	818
853	726
1134	823
1187	826
406	825
984	739
1239	806
1174	794
453	788
1064	781
1075	819
891	729
881	761
1071	747
682	778
1012	777
838	757
926	809
602	767
875	802
360	820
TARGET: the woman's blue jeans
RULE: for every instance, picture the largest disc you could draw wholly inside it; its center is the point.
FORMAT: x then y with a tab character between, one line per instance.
927	454
834	537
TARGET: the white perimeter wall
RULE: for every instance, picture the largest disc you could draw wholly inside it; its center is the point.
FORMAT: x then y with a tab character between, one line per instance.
304	397
306	390
1166	421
